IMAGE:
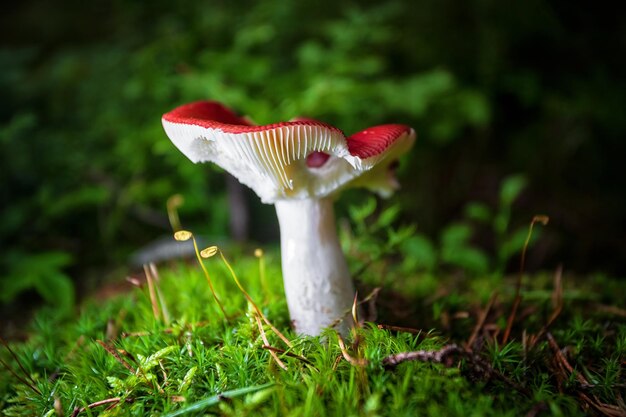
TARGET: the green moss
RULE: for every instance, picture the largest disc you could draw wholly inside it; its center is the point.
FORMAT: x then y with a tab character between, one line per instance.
201	363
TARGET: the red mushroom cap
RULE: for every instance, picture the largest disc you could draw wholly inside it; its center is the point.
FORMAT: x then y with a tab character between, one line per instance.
302	158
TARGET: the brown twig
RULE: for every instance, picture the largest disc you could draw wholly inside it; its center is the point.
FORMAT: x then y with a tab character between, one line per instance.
290	354
557	301
19	378
518	287
116	355
267	343
481	321
440	356
399	329
437	356
29	381
613	310
112	401
590	401
113	351
563	360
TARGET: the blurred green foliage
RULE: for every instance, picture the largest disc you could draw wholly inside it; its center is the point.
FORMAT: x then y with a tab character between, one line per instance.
491	89
375	234
42	273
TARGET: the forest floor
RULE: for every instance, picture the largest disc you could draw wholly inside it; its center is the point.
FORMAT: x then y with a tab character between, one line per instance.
436	345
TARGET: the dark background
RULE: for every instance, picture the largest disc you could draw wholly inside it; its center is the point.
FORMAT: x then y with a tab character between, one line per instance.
531	88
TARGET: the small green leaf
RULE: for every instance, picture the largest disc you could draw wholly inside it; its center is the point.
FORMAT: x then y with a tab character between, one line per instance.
478	211
420	253
455	235
184	385
153	360
467	258
259	397
388	216
511	188
210	401
360	213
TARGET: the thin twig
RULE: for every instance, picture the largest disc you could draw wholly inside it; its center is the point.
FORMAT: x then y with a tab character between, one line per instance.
290	354
19	378
481	320
112	401
592	401
613	310
19	363
563	360
399	329
437	356
267	343
557	301
518	287
116	355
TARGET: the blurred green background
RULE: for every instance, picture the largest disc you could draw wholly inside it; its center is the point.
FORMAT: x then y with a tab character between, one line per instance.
531	91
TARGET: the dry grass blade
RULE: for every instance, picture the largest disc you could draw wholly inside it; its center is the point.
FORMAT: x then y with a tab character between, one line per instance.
355	312
267	343
557	302
518	287
164	310
360	362
156	311
481	320
567	370
371	296
19	378
29	381
116	355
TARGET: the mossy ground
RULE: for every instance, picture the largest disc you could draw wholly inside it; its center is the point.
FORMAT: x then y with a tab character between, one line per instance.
121	351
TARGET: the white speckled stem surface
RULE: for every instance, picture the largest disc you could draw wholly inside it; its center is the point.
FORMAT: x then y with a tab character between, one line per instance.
318	285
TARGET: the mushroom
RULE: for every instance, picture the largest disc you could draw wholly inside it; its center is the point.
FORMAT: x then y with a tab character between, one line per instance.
299	166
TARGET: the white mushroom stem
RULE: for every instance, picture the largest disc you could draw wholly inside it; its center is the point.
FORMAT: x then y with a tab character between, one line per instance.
317	281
